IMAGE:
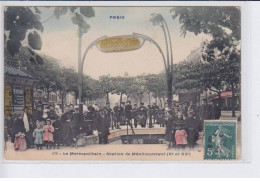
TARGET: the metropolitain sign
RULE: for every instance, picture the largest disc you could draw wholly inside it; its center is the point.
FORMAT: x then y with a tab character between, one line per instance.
119	44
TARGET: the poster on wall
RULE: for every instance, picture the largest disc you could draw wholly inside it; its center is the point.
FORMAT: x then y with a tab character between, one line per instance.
18	99
8	100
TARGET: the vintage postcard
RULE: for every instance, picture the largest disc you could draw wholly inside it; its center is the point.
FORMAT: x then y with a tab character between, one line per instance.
122	83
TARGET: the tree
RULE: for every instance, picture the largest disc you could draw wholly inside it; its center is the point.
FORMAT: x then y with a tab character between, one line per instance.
209	20
233	74
224	25
155	84
21	23
78	15
106	85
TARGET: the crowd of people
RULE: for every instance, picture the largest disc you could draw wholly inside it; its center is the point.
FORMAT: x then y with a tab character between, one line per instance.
48	127
183	124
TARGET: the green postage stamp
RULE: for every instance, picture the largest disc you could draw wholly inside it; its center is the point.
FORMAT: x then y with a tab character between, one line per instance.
220	139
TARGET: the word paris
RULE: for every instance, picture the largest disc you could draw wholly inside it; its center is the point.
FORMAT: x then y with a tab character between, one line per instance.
117	17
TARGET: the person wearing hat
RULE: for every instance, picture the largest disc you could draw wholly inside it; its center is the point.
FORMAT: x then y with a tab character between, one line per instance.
18	125
192	127
51	113
37	116
142	115
66	131
57	135
169	118
116	114
134	114
154	112
75	126
108	112
128	112
122	114
103	123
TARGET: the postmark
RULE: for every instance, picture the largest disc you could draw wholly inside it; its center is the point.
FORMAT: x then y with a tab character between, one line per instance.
220	140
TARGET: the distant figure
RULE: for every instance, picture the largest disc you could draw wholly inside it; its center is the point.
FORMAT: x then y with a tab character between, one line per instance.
135	114
128	112
155	110
109	112
116	115
142	115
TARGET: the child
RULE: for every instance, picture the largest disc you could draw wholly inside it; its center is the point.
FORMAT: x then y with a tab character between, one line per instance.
38	135
48	133
180	134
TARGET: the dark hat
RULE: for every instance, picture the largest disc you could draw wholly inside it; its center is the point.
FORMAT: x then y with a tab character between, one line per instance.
122	102
135	104
141	103
129	101
39	105
51	105
57	117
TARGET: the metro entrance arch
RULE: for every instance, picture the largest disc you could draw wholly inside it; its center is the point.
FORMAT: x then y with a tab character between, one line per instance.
119	44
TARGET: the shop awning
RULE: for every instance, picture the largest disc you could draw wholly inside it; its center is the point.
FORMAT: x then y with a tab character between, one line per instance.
224	95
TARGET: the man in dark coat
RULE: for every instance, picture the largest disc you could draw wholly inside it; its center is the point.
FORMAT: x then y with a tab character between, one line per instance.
75	126
134	114
142	114
66	131
122	114
18	126
154	112
57	135
192	127
128	112
51	113
37	115
103	126
116	115
108	112
169	118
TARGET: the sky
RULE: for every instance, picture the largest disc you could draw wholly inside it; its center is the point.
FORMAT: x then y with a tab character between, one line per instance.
60	41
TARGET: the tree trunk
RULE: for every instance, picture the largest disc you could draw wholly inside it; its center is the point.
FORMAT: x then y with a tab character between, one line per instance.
233	101
149	98
219	105
48	96
62	102
169	91
160	101
107	97
121	94
140	100
76	98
